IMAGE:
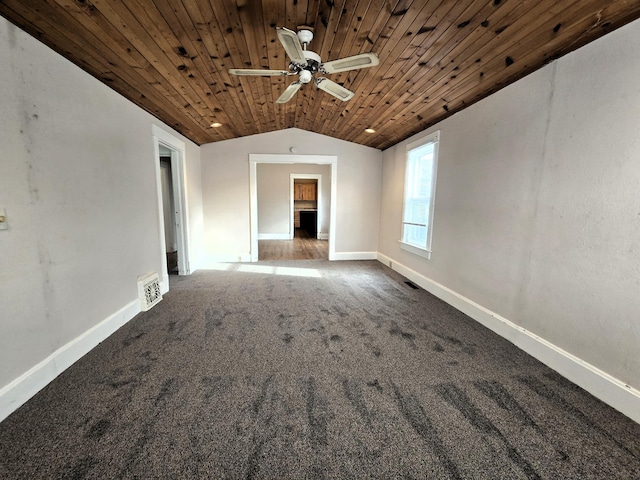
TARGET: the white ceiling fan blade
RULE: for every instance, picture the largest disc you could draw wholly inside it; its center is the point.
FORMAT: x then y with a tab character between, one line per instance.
292	46
259	73
334	89
289	92
364	60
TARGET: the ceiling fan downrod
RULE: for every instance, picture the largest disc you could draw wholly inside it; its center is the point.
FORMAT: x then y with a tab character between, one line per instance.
313	59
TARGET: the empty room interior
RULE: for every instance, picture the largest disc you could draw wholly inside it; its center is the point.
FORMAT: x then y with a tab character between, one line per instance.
320	239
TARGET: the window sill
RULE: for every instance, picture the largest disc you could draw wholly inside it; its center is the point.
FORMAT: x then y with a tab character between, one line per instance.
415	250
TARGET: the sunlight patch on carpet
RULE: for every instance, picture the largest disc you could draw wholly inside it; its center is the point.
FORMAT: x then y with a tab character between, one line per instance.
269	269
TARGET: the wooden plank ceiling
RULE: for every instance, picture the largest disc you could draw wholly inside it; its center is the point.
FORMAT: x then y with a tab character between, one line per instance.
171	57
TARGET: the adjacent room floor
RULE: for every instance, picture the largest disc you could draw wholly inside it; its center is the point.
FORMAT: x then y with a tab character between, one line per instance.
312	369
301	247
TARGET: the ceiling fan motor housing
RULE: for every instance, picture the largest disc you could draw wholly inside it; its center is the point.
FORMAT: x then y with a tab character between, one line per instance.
312	66
306	71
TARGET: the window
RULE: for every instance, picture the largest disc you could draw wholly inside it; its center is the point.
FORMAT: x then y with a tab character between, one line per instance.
419	193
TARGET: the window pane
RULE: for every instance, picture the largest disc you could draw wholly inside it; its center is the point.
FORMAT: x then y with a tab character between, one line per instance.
416	211
418	194
415	235
419	184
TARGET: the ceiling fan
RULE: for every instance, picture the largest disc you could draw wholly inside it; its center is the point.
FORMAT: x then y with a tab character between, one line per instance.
306	63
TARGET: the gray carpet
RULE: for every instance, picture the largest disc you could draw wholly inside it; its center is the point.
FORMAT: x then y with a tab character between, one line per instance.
351	374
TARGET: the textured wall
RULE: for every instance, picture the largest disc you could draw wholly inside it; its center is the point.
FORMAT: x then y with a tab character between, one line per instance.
537	213
78	181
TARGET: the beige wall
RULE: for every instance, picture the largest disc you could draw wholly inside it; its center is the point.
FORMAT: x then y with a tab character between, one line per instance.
537	205
274	195
225	181
79	186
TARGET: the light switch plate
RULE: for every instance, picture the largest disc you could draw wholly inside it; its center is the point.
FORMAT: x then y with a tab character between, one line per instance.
4	225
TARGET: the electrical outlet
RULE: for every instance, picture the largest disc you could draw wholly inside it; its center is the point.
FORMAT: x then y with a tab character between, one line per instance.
3	219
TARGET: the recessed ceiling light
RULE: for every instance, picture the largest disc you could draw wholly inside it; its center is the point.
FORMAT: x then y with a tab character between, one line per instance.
369	130
216	124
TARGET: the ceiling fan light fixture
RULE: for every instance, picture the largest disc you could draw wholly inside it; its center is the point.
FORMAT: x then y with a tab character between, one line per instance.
305	76
306	63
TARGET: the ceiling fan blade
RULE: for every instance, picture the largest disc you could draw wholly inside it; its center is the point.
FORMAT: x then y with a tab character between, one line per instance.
259	73
291	44
289	92
334	89
364	60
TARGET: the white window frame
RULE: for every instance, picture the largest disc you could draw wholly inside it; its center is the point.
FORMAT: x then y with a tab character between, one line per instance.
417	250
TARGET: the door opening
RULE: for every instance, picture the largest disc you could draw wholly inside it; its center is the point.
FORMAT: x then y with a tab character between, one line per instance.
306	205
168	211
172	205
328	228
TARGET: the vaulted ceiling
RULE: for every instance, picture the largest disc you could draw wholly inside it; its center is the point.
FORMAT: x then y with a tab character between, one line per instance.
171	57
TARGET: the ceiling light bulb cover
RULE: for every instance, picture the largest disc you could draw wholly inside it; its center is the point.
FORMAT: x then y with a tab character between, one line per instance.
216	124
305	76
369	130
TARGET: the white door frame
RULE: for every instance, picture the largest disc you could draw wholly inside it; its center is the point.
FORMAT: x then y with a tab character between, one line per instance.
178	179
255	158
306	176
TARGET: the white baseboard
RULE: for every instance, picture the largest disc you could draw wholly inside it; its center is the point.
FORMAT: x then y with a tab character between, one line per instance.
355	256
323	236
16	393
607	388
212	261
274	236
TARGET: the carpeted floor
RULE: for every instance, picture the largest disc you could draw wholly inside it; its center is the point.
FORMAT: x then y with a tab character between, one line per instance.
312	370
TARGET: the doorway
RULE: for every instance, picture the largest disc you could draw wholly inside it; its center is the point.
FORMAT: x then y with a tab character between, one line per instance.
172	205
168	211
307	202
255	159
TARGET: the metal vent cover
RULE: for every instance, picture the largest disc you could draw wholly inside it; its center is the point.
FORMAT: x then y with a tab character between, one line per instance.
149	290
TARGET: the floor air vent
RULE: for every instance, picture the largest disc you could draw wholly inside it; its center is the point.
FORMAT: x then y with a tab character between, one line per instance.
149	291
412	285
